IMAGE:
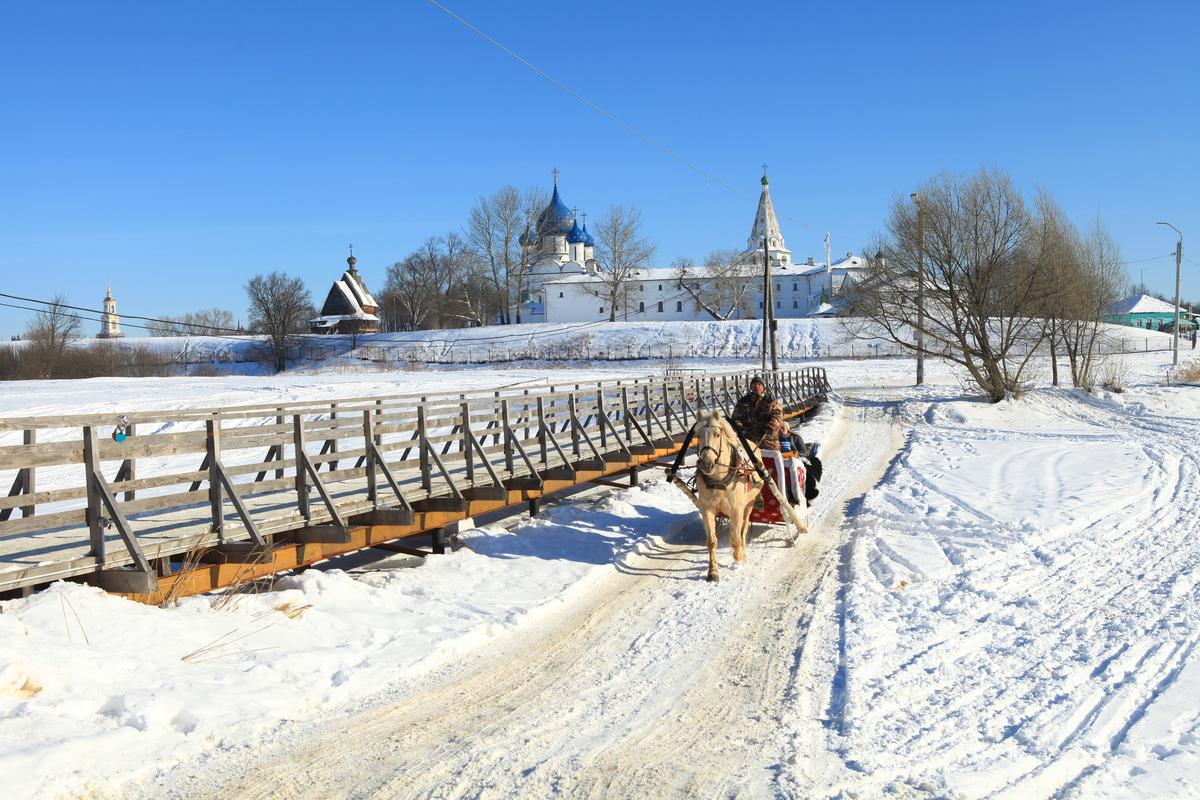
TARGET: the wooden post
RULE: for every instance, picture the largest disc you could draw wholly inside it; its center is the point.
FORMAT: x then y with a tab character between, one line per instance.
626	417
333	443
131	465
301	475
28	475
508	448
91	467
574	425
212	443
541	416
525	412
423	450
279	421
649	412
468	451
368	440
601	411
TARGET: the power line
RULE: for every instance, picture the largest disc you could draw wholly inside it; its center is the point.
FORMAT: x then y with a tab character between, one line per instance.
122	315
1151	258
595	107
243	338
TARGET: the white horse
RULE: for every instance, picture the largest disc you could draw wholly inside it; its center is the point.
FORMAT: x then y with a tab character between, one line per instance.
726	484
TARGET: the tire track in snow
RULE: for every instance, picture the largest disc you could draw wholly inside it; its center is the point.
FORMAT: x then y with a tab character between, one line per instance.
1099	577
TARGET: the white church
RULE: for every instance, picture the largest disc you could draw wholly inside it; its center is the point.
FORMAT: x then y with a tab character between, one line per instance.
565	283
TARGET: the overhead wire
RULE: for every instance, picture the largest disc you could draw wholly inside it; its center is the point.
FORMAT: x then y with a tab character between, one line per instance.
1151	258
596	107
122	315
242	338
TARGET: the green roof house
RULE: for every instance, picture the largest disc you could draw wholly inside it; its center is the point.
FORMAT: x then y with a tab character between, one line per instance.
1144	311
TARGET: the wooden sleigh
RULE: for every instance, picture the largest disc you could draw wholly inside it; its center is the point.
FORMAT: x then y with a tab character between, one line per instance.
787	479
788	472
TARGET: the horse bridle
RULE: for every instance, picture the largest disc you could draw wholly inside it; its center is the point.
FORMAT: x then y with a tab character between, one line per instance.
706	476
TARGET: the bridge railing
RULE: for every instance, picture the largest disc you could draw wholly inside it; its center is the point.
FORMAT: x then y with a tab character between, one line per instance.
131	493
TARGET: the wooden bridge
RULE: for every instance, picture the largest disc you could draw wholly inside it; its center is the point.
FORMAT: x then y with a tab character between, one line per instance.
203	498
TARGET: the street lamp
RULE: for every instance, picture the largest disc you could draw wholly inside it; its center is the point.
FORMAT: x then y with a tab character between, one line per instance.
916	198
1178	260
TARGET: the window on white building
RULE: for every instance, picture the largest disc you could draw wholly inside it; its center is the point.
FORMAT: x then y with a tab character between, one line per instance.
795	304
560	294
795	286
760	304
601	309
642	306
660	306
660	287
679	305
641	288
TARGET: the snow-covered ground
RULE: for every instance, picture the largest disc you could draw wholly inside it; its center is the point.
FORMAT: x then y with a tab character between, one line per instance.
554	343
997	600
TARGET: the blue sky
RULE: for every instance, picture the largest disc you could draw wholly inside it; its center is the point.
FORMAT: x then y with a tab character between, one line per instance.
176	149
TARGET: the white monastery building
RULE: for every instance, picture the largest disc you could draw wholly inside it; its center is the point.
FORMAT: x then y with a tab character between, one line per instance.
565	280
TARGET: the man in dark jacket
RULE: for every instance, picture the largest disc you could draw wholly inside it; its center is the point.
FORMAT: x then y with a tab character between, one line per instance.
755	417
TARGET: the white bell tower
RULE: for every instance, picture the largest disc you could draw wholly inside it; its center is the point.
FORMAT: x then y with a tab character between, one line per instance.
110	323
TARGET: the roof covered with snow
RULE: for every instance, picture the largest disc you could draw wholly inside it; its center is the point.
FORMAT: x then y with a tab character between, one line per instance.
348	297
851	262
1142	304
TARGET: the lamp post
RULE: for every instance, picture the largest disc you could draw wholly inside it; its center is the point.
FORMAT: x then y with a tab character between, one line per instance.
916	198
1178	260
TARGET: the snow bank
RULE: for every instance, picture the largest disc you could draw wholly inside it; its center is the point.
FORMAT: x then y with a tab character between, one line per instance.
96	690
1021	612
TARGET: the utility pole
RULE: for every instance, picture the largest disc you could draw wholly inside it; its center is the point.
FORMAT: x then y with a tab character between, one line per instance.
771	324
766	304
1175	331
916	198
1178	264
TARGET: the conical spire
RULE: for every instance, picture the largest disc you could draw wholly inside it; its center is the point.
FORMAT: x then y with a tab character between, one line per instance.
765	223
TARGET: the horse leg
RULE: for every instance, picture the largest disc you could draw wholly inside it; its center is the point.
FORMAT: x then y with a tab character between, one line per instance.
709	518
742	533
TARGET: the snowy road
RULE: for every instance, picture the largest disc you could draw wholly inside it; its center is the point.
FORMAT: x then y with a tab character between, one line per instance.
660	684
997	601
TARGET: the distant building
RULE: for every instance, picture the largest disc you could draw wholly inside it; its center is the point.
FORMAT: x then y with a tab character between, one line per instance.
110	323
349	307
1144	311
566	284
561	247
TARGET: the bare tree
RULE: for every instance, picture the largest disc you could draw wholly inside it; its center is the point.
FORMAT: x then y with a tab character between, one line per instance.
621	251
985	300
47	336
723	287
500	231
1095	285
418	284
280	307
494	226
1054	248
206	322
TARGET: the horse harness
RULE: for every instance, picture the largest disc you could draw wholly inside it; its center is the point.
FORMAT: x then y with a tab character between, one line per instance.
738	469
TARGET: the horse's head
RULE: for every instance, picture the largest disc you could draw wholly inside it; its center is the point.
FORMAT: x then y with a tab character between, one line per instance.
715	439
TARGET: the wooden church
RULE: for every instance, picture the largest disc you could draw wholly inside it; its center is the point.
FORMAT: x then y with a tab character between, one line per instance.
349	307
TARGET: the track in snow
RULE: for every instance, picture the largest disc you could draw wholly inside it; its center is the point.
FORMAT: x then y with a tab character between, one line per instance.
659	684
